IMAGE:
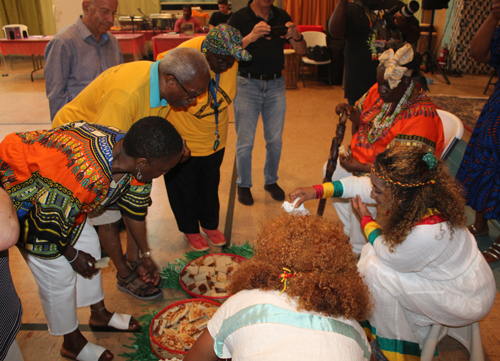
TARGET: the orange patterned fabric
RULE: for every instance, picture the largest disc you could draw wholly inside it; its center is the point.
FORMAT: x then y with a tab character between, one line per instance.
417	124
56	177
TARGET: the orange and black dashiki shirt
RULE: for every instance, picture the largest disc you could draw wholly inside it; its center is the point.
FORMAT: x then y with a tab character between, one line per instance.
56	177
417	124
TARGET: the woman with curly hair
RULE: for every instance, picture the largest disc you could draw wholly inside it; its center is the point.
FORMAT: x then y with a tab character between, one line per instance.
299	297
421	264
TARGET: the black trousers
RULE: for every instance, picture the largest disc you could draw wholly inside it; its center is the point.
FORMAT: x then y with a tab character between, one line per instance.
193	192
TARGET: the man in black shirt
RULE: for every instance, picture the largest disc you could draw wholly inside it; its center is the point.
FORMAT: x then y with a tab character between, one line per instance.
261	90
222	16
367	26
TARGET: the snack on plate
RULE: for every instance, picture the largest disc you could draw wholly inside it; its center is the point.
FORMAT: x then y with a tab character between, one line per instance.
209	276
178	327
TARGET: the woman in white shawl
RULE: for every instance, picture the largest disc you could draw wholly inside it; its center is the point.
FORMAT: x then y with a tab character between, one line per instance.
423	267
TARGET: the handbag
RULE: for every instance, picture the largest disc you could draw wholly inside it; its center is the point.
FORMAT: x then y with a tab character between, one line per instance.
318	53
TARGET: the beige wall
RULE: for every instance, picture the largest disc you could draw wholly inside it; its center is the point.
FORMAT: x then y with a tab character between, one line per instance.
66	12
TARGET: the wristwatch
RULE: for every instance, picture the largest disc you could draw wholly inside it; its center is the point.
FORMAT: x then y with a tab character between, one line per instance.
300	39
145	254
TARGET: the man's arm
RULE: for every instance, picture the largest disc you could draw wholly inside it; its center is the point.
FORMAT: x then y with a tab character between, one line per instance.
337	23
296	39
177	26
409	27
56	73
480	46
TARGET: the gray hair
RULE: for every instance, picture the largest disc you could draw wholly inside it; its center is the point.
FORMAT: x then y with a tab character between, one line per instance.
185	64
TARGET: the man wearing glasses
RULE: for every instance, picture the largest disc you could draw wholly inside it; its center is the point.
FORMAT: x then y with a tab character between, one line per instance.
119	97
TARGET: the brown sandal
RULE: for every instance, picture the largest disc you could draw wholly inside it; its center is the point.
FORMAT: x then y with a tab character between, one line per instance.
492	254
136	287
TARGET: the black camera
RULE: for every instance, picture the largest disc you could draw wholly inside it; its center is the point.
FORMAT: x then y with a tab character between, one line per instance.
277	31
408	10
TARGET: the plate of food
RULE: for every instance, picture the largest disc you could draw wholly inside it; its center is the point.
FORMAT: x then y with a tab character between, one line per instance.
208	276
174	329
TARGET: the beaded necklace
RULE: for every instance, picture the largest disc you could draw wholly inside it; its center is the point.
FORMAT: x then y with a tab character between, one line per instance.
380	123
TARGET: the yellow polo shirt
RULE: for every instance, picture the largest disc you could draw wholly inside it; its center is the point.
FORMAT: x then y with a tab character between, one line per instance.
197	123
118	97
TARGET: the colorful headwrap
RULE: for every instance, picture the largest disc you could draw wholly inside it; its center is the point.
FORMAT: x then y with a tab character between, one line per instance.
225	40
393	62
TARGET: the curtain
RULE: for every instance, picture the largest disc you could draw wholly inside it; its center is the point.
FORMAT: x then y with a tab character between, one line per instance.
35	14
310	12
129	7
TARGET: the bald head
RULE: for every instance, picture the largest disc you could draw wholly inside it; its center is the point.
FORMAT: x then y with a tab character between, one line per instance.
185	64
98	15
184	75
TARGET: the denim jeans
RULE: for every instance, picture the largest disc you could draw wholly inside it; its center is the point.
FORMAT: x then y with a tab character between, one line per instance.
256	97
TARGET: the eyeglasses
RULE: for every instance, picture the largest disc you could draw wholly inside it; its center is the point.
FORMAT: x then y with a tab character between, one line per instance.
190	96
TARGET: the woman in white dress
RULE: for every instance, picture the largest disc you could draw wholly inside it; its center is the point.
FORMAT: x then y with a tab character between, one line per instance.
423	265
300	297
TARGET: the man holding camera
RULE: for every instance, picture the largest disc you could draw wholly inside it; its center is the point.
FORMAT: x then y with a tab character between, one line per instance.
261	90
366	26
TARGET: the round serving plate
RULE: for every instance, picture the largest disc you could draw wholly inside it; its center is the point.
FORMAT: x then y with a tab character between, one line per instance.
234	257
157	347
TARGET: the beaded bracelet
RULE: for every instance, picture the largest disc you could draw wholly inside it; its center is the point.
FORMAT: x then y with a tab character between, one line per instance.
75	257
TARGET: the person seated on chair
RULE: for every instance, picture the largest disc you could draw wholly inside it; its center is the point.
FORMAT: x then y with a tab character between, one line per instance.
299	297
55	178
395	111
421	264
187	22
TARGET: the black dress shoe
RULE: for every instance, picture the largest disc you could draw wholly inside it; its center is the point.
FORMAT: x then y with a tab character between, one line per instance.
276	191
245	196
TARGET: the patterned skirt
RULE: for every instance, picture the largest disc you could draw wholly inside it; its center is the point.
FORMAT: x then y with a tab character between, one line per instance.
479	172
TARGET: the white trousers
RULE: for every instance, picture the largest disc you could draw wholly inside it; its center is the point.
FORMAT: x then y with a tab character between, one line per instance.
107	217
61	289
14	353
351	222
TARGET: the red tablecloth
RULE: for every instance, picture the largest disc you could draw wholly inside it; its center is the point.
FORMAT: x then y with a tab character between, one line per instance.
165	42
148	34
132	44
35	45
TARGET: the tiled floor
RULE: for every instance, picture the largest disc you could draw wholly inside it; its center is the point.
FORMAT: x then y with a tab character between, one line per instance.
310	126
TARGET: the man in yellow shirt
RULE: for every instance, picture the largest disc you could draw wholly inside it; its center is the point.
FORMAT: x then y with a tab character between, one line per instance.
128	92
193	187
119	97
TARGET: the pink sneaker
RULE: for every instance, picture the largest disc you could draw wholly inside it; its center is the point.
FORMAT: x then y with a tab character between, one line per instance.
215	237
196	241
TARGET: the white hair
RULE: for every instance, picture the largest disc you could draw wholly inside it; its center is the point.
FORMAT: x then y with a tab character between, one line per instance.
185	64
